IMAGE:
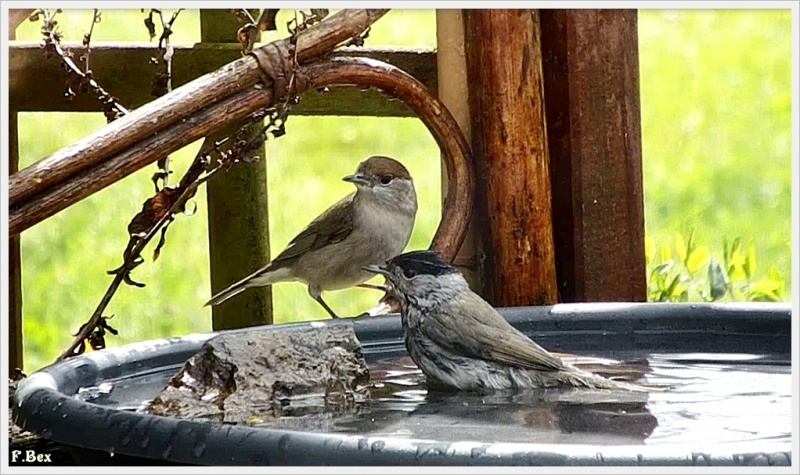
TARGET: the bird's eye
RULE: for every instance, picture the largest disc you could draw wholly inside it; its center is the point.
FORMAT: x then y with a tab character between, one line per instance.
409	274
386	179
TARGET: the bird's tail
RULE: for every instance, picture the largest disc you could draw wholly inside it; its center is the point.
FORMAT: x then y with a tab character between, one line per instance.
577	377
260	278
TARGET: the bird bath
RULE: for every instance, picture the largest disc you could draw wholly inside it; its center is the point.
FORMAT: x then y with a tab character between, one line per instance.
729	366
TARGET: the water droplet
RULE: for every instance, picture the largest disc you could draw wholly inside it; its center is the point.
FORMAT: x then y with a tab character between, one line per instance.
47	433
167	451
126	440
145	442
639	459
362	443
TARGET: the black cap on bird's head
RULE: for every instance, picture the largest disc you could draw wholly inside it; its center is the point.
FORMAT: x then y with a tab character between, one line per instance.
417	276
425	262
414	263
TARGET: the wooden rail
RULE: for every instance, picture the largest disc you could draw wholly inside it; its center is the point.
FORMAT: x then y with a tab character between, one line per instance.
36	83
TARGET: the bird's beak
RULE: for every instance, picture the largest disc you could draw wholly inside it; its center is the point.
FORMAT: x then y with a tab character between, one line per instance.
358	179
376	270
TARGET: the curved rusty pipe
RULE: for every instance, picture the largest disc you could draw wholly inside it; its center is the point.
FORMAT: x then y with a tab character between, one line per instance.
364	72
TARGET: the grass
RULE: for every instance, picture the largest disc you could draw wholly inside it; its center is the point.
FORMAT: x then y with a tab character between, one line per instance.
716	132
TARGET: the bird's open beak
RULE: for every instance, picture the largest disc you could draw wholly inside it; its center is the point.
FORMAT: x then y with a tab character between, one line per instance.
376	269
358	179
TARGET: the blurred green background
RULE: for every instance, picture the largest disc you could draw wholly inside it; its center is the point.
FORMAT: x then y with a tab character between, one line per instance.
716	126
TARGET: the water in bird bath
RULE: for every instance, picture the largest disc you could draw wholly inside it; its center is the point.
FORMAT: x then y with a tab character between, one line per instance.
713	398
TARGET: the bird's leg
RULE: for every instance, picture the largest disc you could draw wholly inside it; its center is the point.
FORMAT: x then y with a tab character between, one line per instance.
318	298
316	293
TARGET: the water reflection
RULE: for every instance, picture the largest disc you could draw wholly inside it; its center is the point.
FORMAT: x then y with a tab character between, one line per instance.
712	400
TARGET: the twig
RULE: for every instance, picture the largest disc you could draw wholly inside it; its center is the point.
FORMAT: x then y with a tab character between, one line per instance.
87	40
52	43
132	254
162	84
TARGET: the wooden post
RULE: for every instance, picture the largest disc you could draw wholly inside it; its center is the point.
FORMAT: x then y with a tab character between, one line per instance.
14	262
504	66
591	71
238	220
453	91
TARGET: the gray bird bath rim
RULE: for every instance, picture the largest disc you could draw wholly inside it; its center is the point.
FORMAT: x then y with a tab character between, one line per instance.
44	403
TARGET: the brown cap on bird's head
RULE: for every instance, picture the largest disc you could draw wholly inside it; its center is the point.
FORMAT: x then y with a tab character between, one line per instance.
379	165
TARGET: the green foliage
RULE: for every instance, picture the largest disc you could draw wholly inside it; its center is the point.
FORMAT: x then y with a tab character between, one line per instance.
716	127
684	280
716	104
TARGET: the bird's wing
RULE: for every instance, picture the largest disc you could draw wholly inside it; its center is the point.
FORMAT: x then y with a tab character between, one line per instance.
479	331
332	226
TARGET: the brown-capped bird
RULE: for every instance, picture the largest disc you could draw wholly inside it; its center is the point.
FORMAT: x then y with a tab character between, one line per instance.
368	226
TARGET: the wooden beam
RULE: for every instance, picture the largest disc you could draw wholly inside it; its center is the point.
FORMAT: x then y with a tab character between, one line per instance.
510	147
15	349
453	91
238	218
36	83
591	71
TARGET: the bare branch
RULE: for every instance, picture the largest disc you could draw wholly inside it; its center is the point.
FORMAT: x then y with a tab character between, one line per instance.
76	79
157	214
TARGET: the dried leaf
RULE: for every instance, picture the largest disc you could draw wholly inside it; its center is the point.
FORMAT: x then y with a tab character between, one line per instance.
247	35
97	339
154	209
266	22
151	25
320	13
358	40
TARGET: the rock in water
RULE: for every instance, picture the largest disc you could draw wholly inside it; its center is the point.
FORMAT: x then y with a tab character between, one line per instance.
256	376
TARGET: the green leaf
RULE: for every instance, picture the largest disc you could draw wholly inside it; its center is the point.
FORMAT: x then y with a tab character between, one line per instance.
765	286
684	297
690	246
773	274
737	294
717	279
649	249
673	286
666	254
697	259
735	245
726	252
680	247
767	297
736	273
749	265
659	273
